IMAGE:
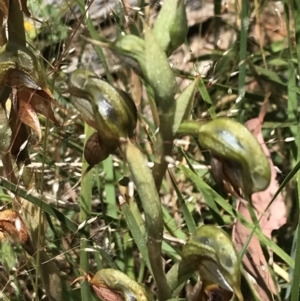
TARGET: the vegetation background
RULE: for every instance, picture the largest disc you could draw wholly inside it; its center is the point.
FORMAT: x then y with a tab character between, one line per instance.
246	56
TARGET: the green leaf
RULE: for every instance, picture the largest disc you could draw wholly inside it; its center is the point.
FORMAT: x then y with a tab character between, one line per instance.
188	218
136	233
41	204
206	97
270	75
184	104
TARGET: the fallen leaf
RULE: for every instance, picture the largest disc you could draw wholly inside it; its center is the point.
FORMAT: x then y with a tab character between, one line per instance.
254	260
275	216
19	137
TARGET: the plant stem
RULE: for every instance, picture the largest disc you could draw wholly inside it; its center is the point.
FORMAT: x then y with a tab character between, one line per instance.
85	212
146	189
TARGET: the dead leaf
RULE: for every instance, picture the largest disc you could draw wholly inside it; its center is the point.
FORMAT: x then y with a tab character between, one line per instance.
28	116
20	136
21	70
40	100
29	103
254	261
12	224
275	217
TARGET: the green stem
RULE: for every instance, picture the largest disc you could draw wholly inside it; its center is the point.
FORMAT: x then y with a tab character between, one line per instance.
146	189
85	212
112	209
296	273
15	23
244	19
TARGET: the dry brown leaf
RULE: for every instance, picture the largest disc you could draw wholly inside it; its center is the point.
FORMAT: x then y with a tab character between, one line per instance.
254	261
25	75
275	217
40	100
19	137
30	102
12	218
12	224
28	116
